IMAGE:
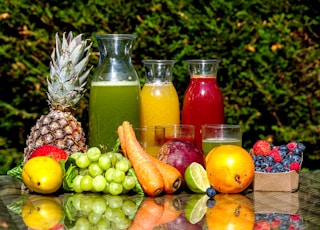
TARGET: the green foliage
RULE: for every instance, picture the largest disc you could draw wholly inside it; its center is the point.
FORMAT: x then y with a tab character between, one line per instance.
269	50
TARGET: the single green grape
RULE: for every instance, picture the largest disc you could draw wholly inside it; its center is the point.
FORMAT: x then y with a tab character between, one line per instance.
113	158
93	153
124	165
115	188
118	176
94	169
86	203
110	174
83	161
83	223
115	201
99	205
129	208
129	182
119	156
104	162
76	184
86	183
94	217
99	183
123	223
103	224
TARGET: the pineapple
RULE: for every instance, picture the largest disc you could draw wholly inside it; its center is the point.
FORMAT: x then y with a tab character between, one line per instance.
66	86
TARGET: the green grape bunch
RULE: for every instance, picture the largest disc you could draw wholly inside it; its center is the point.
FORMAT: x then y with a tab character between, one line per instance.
94	171
100	211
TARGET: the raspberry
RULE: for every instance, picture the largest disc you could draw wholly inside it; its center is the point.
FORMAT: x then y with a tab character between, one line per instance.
295	166
292	145
276	155
261	147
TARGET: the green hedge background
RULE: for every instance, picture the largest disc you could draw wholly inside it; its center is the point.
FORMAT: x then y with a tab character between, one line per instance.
269	73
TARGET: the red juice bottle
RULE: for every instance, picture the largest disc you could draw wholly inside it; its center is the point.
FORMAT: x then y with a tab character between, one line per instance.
203	101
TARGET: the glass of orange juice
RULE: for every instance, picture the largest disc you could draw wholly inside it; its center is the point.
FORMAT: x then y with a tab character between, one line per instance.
151	139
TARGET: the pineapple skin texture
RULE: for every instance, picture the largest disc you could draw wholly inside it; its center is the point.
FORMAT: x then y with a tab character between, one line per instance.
57	128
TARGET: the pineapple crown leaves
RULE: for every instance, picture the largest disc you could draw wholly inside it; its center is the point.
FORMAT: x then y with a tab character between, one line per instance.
68	71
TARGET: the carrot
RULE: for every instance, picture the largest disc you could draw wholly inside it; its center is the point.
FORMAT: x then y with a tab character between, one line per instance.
122	140
148	215
147	173
171	209
171	176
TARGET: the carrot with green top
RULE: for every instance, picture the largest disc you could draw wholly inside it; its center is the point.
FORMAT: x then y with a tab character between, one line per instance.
149	176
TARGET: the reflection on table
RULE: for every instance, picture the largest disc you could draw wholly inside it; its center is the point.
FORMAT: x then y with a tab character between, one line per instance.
253	210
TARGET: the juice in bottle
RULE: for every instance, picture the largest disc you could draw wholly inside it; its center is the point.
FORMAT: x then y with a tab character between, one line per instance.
203	101
159	98
111	103
159	104
115	90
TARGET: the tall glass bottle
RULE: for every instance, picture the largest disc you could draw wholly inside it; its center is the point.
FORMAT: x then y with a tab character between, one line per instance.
203	101
115	90
159	98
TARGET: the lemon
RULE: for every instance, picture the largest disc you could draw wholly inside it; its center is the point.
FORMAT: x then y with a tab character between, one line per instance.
41	212
42	175
196	178
196	208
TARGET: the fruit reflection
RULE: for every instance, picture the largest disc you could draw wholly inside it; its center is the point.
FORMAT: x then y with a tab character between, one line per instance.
41	212
231	211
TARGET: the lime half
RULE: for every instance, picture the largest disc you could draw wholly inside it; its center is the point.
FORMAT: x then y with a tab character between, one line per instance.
196	208
196	178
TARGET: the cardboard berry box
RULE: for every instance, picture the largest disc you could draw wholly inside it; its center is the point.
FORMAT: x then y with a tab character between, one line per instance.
273	181
276	182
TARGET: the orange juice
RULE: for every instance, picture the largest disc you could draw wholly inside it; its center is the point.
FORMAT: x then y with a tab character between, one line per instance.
159	104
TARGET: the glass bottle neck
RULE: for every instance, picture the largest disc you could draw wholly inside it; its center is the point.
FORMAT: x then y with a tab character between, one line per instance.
115	46
158	71
203	68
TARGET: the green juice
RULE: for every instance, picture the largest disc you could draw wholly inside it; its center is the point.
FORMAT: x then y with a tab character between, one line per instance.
110	104
210	143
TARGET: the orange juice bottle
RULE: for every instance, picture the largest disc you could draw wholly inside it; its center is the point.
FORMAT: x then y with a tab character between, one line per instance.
159	98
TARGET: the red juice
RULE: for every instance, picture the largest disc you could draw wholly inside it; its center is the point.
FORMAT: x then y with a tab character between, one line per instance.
202	104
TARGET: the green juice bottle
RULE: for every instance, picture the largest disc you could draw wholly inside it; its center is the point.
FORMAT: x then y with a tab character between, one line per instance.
115	90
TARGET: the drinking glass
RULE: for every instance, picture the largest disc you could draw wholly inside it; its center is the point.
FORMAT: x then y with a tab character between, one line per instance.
221	134
179	132
150	138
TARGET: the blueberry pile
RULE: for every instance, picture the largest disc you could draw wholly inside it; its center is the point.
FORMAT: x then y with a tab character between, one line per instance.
277	159
277	221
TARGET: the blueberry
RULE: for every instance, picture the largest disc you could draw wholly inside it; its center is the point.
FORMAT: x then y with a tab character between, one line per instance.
286	162
296	158
211	192
285	169
210	203
297	151
278	167
283	148
282	153
301	146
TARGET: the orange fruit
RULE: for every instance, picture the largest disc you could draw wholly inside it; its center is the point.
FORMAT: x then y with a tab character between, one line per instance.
231	211
230	169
